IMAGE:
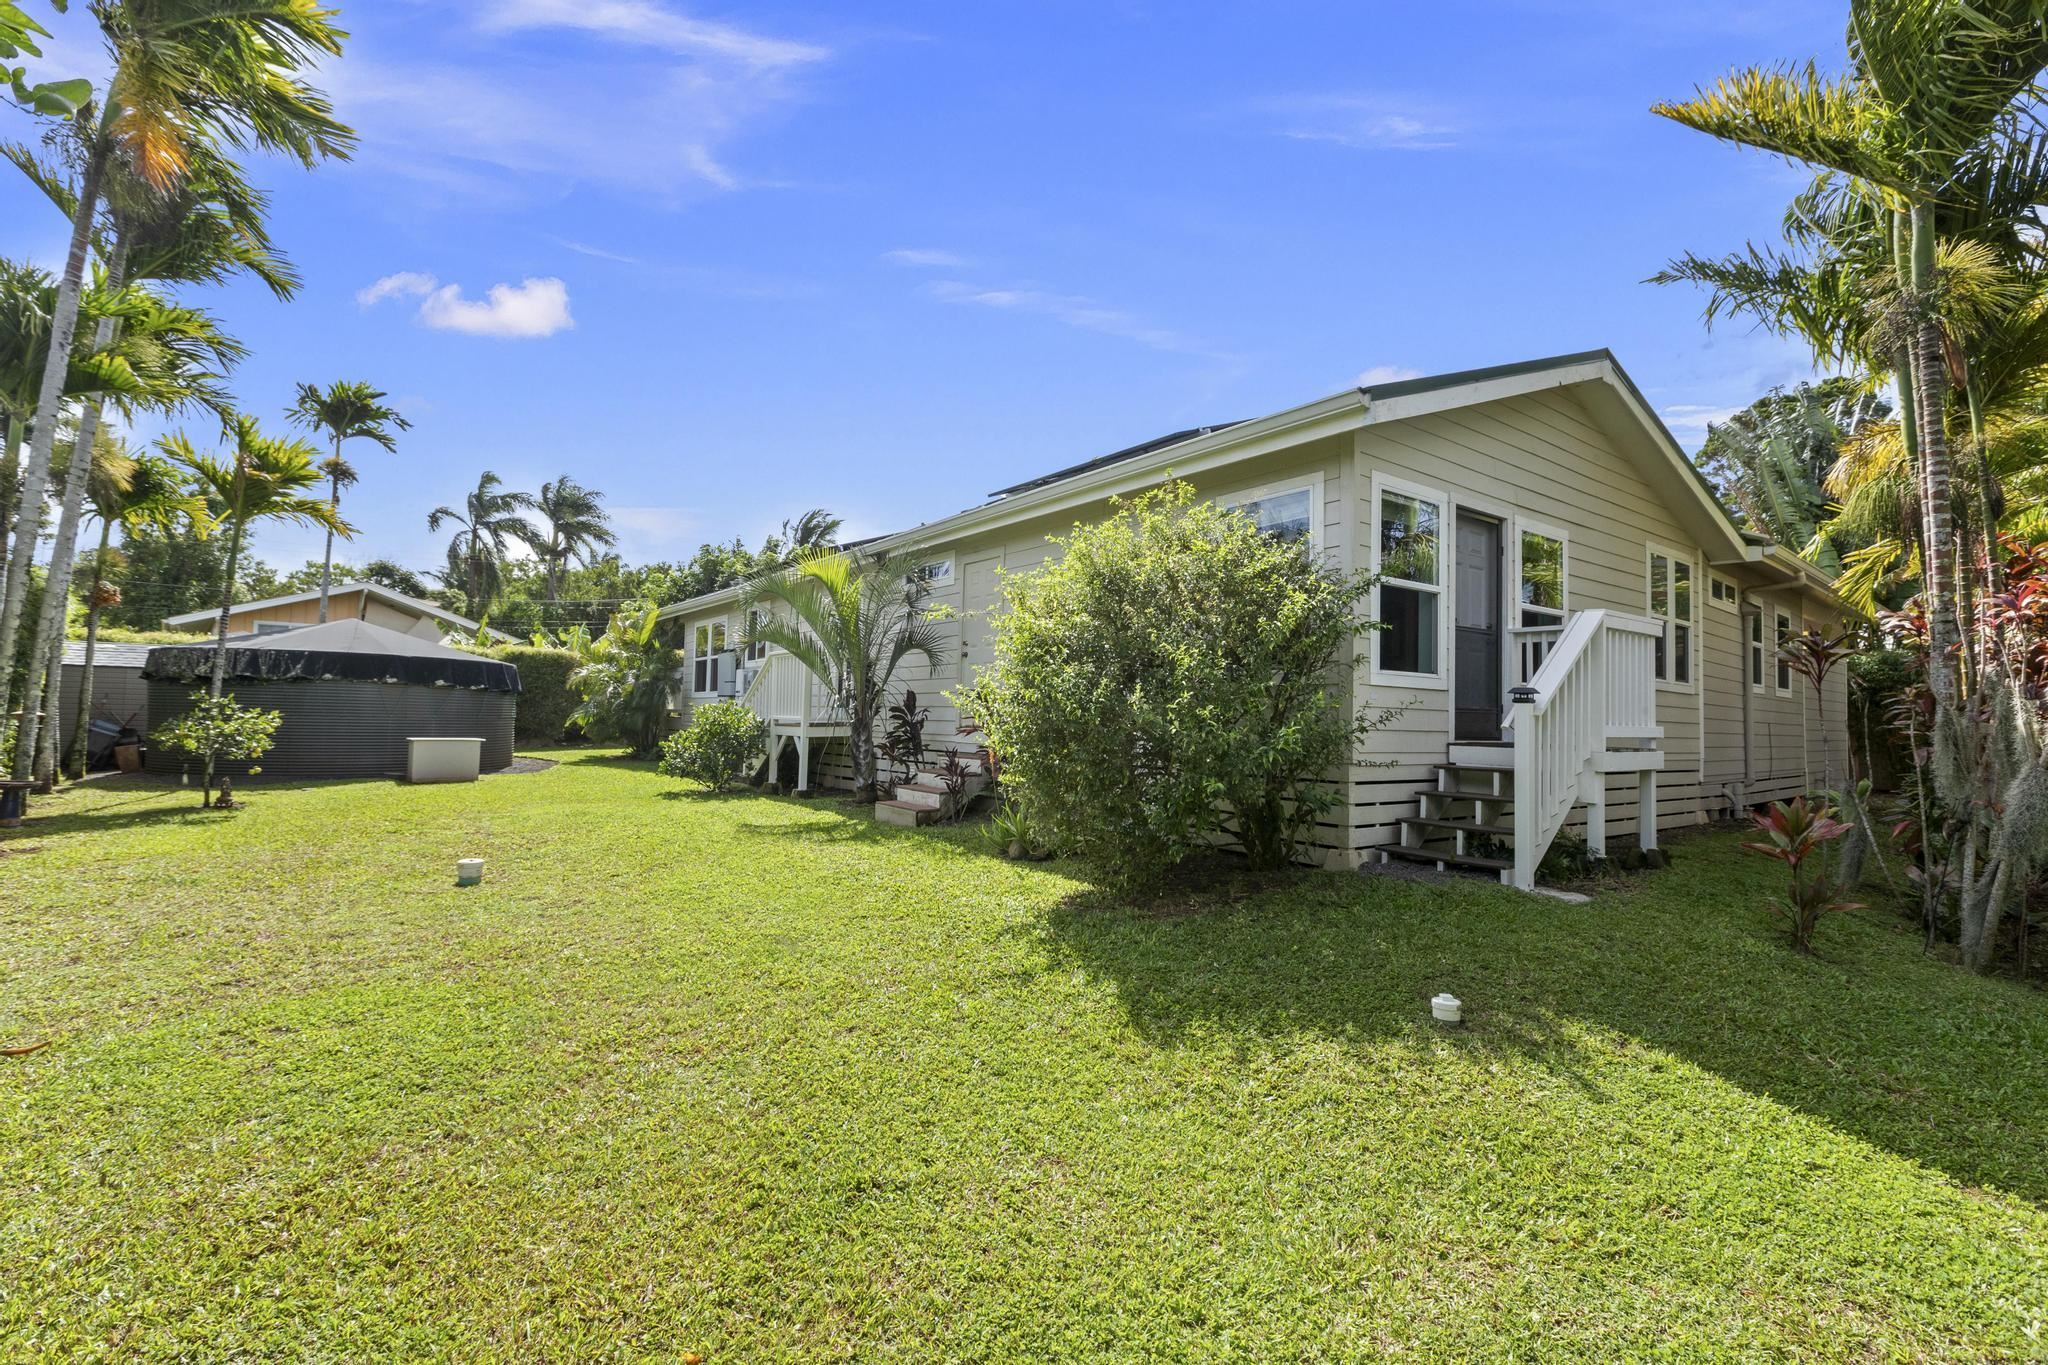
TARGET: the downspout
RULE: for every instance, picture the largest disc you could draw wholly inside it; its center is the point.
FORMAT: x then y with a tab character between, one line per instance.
1750	611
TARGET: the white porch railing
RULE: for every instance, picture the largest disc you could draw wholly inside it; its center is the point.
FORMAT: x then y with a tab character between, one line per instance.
1532	645
1596	684
785	694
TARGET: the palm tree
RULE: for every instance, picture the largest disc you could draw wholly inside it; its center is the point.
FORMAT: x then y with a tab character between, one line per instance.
133	492
490	521
1771	460
186	74
816	529
577	524
1931	88
852	620
346	410
265	478
165	357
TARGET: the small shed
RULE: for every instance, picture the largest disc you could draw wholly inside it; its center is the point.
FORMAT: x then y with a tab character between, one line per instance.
120	698
351	694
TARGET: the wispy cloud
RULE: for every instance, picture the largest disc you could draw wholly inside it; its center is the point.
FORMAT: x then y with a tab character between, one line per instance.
598	252
656	108
531	308
648	24
1385	374
1691	420
1073	310
925	257
1367	122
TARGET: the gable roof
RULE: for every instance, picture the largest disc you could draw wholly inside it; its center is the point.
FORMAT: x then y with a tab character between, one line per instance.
1595	377
375	591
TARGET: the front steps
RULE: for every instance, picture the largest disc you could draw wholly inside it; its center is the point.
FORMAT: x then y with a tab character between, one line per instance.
922	800
1466	821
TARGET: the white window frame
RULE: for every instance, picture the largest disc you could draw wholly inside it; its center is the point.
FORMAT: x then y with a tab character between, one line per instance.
1756	662
1733	601
1518	524
754	653
1691	621
1784	629
1310	483
717	637
936	574
1440	680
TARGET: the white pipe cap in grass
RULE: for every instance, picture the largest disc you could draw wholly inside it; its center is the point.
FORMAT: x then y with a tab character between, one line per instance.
1447	1008
469	871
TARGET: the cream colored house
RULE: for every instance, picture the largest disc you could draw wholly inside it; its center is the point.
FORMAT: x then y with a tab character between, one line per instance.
359	601
1535	527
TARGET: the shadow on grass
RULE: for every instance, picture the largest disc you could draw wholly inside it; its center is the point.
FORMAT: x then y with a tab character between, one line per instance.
1901	1051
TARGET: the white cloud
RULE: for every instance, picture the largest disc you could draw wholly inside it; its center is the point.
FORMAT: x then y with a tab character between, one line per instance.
1363	121
1072	309
406	283
926	257
1693	419
647	24
535	307
1385	374
652	104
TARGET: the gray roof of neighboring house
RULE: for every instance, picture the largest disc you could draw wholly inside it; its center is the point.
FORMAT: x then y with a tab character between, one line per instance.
375	591
107	654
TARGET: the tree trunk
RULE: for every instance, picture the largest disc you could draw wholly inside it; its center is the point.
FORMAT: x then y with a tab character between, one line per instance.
862	742
43	765
81	724
10	488
35	476
42	681
333	505
220	630
1937	510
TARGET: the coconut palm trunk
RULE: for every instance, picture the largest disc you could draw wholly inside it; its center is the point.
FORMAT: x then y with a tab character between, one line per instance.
1937	473
43	766
39	692
334	505
35	476
10	487
81	723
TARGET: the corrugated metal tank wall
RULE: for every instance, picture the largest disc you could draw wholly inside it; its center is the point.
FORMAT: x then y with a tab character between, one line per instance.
339	728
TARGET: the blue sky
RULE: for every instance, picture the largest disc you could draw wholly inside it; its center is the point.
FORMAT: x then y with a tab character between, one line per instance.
728	263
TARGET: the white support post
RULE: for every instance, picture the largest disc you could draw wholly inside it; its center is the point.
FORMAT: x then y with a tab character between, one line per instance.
1647	808
1523	699
803	759
1593	792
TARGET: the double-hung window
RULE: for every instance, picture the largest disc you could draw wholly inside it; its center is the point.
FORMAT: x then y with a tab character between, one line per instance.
1756	650
708	645
1671	580
1408	543
756	650
1784	679
1542	571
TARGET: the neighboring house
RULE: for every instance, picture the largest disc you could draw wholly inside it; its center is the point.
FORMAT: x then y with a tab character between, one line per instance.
361	601
1534	524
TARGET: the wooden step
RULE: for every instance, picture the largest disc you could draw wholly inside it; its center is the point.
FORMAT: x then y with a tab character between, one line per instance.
1426	855
929	794
1449	823
905	814
1488	768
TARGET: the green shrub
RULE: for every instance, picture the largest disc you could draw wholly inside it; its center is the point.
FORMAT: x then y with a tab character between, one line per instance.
624	680
722	741
1173	677
216	730
546	700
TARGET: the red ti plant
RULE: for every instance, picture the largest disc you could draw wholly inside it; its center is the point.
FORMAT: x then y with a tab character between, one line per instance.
1794	832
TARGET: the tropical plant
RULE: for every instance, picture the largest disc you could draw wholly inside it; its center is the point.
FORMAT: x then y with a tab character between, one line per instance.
1794	834
263	478
902	742
18	34
576	527
1014	834
723	740
346	410
187	76
1174	678
816	529
132	492
852	619
953	774
215	729
625	683
489	522
1771	459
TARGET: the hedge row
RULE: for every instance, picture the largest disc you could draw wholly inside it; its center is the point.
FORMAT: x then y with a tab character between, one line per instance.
545	697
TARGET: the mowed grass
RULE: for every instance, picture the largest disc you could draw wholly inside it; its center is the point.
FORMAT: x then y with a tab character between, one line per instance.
755	1079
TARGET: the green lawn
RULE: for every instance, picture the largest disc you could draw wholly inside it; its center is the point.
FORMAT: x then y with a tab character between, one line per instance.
756	1079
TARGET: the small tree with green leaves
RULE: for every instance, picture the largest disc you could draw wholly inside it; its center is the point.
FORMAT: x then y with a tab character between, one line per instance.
625	681
217	730
722	740
1176	679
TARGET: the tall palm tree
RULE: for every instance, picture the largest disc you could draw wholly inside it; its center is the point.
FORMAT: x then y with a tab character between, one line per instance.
1928	87
1772	459
186	73
132	492
852	620
489	522
816	529
346	410
169	357
263	478
577	525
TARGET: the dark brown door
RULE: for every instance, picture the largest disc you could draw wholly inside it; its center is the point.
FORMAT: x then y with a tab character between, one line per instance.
1479	692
